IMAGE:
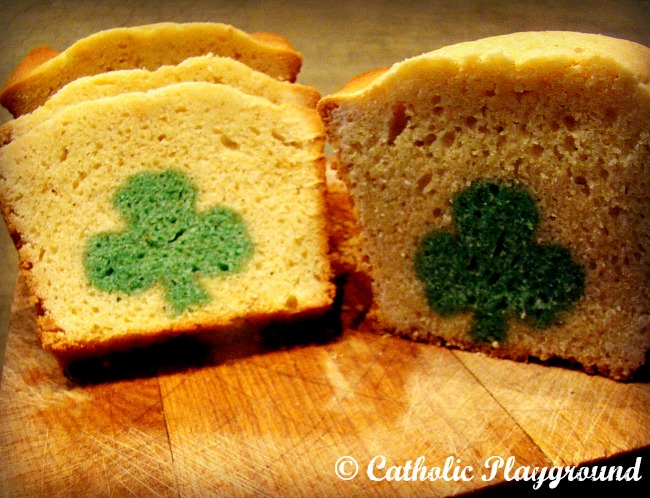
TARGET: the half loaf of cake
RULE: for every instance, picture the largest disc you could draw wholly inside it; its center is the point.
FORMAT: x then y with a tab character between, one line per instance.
145	215
503	191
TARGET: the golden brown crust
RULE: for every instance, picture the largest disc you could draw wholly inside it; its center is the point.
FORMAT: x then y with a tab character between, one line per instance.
347	257
68	354
41	74
35	58
346	250
206	68
354	84
10	95
362	80
6	134
273	39
521	48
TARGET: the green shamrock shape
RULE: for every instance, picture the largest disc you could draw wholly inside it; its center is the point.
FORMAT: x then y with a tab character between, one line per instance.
166	241
490	265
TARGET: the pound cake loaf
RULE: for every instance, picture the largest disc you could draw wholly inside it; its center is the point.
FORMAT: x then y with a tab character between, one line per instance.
44	70
146	215
502	188
207	68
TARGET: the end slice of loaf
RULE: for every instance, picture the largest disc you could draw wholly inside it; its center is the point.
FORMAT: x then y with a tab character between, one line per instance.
44	71
503	192
143	216
208	68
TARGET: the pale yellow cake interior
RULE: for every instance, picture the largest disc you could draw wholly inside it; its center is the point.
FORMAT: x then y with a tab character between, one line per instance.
261	159
566	114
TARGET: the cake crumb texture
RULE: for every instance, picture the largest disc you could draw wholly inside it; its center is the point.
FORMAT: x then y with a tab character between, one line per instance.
186	168
564	115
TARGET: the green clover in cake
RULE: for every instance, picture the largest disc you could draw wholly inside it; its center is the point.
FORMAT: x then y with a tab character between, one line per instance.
166	241
490	265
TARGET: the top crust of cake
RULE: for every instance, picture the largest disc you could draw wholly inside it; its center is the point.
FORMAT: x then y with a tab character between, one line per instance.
44	71
524	49
206	68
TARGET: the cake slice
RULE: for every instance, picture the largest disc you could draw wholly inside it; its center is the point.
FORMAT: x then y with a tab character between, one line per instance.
146	215
207	68
44	70
502	190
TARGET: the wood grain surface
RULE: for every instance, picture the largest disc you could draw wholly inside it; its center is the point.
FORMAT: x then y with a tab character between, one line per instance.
238	415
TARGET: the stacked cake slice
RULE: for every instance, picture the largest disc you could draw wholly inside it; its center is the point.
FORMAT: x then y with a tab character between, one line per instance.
145	205
44	71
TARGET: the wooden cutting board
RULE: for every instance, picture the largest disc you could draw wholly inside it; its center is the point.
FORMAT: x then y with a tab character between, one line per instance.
233	416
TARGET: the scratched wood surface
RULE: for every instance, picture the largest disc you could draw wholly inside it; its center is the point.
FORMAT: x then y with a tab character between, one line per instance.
239	416
233	416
